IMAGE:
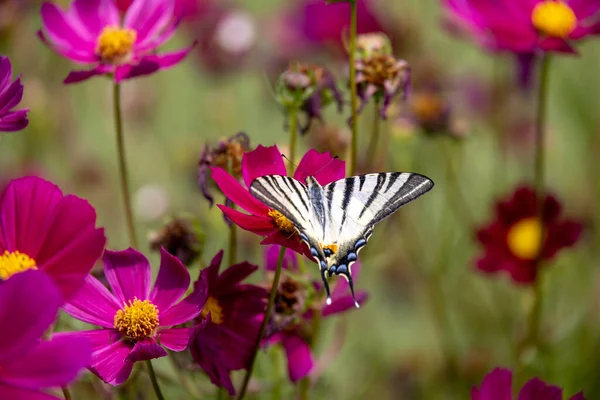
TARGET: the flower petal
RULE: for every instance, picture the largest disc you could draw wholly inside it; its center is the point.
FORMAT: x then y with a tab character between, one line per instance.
188	308
146	349
322	166
149	17
64	30
290	261
128	71
128	274
299	356
345	303
47	364
256	224
111	363
168	60
10	392
234	191
80	76
176	339
495	386
171	283
93	304
262	161
536	389
14	121
29	302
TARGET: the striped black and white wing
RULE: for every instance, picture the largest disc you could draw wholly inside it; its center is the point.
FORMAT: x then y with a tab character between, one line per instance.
354	205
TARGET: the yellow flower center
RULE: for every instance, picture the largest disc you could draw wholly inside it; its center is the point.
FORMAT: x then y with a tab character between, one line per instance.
282	223
115	44
14	262
554	18
213	307
137	320
524	238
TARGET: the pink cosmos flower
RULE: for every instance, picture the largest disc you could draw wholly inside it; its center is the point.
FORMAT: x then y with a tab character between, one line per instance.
183	8
11	95
262	220
136	321
223	341
497	385
91	33
40	228
28	306
292	331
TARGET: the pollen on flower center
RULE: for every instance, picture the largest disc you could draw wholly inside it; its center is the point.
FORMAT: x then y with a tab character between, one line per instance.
524	238
282	223
115	44
137	320
554	18
14	262
213	307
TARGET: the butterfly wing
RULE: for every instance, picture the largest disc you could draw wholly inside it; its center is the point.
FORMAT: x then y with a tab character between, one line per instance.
355	204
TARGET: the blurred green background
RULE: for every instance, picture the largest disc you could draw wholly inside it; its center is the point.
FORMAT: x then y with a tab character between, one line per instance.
433	325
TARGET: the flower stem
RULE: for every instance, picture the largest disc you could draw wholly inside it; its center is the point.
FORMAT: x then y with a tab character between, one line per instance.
263	326
159	394
123	164
66	393
353	93
372	152
293	126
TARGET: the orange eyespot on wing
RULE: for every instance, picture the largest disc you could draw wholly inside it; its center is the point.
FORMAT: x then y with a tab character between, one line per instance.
329	249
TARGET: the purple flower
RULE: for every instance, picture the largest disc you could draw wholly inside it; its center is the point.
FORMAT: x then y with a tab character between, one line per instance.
224	339
28	306
11	94
136	321
291	322
497	385
91	32
42	229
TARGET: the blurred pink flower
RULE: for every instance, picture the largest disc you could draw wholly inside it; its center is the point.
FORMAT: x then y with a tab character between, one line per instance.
43	229
137	322
91	32
183	8
291	323
497	385
29	303
224	339
262	220
11	94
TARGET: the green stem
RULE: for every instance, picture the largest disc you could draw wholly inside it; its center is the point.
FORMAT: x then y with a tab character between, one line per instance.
263	326
126	193
293	124
372	152
154	381
353	94
66	393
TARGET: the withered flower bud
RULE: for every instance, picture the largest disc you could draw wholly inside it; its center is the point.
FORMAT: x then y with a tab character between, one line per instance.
310	88
227	155
373	44
329	138
430	111
181	237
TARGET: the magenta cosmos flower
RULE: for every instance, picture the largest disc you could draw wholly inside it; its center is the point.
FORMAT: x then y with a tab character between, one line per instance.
11	94
291	322
91	33
497	385
40	228
28	306
223	341
136	321
261	219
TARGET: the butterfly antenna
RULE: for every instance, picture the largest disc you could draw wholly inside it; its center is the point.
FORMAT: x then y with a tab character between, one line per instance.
326	284
351	284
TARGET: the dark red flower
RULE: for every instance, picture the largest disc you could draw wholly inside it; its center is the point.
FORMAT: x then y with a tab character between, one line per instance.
511	241
262	220
223	341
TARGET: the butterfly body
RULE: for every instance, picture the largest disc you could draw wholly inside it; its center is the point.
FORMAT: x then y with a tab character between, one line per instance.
336	220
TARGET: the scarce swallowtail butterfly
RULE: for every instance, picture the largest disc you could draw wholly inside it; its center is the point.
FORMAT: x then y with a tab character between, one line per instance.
336	220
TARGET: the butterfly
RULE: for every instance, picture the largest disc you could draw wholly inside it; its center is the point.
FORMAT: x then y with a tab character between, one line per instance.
336	220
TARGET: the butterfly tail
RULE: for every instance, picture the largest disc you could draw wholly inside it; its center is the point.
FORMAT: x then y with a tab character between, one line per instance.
351	285
323	268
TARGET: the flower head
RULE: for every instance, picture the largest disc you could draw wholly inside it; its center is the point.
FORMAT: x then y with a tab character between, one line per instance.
29	303
45	230
310	88
379	74
91	33
296	302
223	340
498	385
11	94
512	240
181	237
226	155
136	322
262	220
